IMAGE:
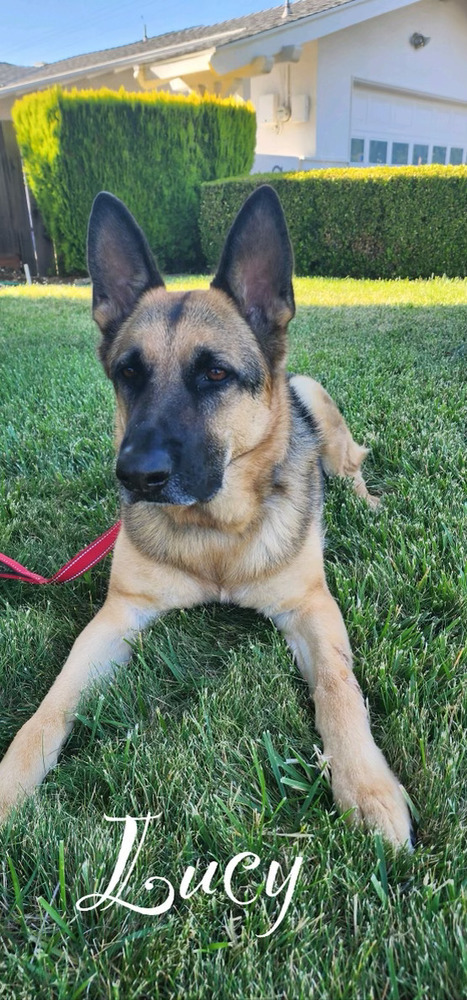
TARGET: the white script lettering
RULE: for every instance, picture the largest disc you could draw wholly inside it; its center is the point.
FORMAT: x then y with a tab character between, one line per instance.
124	868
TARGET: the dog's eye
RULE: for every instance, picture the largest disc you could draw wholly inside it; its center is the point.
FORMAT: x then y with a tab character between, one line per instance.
128	373
216	374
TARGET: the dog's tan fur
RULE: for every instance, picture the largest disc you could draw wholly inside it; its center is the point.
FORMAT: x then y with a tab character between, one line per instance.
247	546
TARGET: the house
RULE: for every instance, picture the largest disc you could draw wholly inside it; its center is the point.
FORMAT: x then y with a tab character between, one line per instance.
334	82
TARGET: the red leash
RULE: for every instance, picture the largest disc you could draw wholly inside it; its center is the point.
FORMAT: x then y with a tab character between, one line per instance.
88	557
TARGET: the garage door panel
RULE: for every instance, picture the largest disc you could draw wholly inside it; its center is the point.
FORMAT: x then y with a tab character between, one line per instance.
393	117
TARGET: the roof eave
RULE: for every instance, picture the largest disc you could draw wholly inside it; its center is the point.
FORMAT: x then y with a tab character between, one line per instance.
226	57
124	62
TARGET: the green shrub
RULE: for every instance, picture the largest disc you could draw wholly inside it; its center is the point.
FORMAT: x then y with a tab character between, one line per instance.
382	222
153	150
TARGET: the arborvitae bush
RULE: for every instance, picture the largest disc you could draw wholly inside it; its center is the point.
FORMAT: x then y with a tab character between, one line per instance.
382	222
153	150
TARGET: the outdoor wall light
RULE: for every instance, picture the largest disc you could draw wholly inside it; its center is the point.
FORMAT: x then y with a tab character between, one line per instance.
418	41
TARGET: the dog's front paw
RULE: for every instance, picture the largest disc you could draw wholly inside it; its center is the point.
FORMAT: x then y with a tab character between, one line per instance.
22	768
5	810
10	795
373	501
370	794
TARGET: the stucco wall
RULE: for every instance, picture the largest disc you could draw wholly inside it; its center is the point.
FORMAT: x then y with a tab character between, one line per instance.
288	141
378	51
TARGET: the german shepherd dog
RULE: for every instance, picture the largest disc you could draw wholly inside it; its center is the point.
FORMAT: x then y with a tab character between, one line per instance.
219	458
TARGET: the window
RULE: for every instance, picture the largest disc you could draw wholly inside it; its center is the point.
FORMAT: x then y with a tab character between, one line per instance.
400	152
357	150
420	155
456	155
378	151
439	154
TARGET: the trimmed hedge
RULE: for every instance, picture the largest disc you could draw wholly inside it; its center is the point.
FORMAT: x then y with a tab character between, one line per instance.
153	150
382	222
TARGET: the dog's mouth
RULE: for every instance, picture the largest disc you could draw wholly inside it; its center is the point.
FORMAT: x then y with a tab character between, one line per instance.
131	497
169	495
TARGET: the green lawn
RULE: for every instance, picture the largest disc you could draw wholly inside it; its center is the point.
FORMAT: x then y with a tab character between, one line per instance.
211	726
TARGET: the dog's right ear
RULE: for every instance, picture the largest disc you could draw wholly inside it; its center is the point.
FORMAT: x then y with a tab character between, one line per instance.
120	263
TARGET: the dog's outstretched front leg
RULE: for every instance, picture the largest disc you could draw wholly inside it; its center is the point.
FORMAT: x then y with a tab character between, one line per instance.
105	641
140	590
362	783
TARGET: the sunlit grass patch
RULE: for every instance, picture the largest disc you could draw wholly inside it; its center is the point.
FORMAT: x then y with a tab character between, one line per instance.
308	291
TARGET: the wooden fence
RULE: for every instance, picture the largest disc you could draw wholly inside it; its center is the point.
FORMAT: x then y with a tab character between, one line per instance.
23	239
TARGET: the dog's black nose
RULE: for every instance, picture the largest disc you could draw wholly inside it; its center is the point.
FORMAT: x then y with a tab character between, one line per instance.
142	471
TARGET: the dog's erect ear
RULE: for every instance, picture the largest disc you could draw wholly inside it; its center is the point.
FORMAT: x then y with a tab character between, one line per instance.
256	268
120	262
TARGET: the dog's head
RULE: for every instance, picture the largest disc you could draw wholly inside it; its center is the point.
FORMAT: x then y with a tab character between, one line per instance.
194	372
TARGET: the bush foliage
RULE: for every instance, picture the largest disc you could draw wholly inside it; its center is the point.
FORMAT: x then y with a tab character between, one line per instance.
384	222
152	150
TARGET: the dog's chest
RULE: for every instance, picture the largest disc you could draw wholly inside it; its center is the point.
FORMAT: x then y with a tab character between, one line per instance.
226	558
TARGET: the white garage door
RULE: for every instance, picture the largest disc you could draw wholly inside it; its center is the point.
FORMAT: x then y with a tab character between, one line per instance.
391	127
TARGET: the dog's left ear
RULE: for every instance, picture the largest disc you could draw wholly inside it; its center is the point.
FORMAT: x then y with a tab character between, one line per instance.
120	263
256	268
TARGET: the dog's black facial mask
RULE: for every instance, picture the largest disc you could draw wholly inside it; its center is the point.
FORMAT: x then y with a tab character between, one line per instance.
167	454
171	451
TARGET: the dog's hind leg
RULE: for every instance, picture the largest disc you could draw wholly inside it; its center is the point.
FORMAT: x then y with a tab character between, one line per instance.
340	454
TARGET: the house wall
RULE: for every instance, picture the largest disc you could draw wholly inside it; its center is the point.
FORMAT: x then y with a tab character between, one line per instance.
378	51
284	145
